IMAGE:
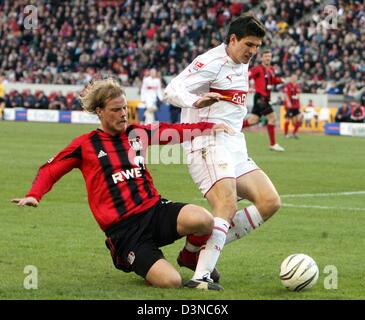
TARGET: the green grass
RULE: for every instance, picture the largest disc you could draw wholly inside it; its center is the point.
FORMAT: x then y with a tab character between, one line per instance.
63	241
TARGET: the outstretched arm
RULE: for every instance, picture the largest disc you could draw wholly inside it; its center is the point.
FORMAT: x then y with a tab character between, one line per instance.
167	133
50	173
27	201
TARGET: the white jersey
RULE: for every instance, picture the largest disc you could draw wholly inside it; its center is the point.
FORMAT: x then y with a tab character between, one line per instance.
213	71
150	91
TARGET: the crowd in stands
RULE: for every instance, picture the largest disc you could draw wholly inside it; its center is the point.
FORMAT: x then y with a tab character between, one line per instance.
39	100
351	112
74	40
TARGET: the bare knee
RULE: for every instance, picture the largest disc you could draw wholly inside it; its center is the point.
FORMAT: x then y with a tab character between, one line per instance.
193	219
171	281
205	222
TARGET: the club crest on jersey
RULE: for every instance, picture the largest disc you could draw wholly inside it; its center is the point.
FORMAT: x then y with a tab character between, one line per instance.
198	65
136	144
131	257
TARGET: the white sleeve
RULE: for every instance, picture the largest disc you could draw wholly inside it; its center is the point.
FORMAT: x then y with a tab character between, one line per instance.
181	91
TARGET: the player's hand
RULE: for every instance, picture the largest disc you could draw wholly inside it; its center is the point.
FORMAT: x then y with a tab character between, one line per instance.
208	99
222	127
27	201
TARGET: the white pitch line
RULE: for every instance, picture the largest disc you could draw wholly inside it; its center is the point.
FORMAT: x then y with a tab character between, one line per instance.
333	194
320	207
304	195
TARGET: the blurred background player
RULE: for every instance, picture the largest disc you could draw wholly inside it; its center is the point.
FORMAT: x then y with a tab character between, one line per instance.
292	106
310	114
151	94
264	80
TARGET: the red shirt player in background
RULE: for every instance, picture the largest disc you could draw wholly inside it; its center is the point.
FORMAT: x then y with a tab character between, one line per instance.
264	77
292	106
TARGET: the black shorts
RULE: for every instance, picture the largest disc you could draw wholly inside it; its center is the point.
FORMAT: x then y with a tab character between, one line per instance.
134	243
261	106
290	113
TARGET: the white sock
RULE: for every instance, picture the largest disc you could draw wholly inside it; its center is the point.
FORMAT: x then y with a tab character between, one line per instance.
243	223
209	254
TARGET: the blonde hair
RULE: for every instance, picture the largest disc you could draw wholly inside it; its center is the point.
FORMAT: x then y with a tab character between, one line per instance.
97	93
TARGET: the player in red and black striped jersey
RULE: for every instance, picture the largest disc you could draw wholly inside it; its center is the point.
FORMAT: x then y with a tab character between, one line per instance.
292	106
265	79
121	193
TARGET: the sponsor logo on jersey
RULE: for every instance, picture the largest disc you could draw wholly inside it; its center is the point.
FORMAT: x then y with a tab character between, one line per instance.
136	144
126	175
198	65
101	154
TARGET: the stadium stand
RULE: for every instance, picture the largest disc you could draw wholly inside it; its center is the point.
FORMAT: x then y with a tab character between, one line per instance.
76	40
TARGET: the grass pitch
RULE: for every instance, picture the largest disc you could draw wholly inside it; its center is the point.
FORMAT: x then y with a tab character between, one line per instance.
320	178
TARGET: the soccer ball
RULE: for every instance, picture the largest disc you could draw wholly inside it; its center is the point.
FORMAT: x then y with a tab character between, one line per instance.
298	272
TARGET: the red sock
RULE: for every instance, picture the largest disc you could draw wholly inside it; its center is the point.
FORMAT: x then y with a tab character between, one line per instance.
286	127
189	258
296	127
271	132
245	124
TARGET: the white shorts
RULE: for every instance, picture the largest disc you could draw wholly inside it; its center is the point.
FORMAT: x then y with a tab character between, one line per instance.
211	159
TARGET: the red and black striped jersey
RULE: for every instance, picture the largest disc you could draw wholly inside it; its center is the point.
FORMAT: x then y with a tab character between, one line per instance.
292	91
265	79
117	181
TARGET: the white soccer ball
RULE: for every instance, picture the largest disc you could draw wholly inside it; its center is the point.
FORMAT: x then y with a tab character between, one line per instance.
298	272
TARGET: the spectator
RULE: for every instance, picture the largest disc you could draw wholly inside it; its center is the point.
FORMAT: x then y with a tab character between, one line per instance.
167	34
29	100
333	88
352	91
357	113
58	102
16	100
343	113
42	101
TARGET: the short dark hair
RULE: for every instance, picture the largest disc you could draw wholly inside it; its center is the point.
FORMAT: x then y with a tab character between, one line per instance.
265	50
245	25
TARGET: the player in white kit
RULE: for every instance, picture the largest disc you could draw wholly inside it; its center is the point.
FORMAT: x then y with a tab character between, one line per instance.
214	88
150	92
